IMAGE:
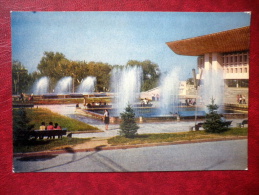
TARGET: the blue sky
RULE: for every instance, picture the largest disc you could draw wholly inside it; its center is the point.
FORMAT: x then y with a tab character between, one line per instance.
115	37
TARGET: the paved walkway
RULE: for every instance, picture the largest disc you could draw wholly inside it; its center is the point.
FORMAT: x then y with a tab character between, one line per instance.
154	127
165	127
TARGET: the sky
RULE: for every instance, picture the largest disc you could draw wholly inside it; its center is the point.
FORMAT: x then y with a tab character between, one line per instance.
115	37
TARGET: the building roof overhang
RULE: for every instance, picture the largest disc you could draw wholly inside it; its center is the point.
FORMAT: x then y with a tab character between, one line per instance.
221	42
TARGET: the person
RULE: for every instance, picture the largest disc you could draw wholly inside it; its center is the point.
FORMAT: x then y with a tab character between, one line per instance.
22	97
157	97
244	99
240	99
106	119
153	97
145	102
50	127
57	127
43	126
31	97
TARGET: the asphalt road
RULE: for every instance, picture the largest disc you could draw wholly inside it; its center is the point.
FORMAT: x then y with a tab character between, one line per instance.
220	155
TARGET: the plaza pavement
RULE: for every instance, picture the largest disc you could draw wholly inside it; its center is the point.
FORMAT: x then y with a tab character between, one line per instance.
152	127
155	127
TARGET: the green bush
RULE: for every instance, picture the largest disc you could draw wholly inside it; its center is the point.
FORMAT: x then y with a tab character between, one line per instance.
213	123
128	125
21	124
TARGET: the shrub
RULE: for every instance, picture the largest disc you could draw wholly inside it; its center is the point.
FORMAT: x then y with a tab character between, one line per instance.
213	123
21	125
128	125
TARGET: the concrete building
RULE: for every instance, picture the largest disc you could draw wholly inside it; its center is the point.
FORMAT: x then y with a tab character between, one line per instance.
226	51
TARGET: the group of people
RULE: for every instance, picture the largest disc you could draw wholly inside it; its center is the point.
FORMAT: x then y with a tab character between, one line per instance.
155	97
50	126
22	97
241	99
190	102
93	104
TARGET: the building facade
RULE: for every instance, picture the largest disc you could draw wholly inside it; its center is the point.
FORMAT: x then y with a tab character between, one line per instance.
226	51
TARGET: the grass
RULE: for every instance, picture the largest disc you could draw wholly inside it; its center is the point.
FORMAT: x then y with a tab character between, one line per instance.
38	115
43	145
176	137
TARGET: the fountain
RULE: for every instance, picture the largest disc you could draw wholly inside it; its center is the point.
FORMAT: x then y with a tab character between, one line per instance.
169	92
64	85
87	85
126	83
41	86
212	87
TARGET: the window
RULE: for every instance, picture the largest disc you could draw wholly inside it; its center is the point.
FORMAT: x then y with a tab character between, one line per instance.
235	83
241	70
240	59
245	58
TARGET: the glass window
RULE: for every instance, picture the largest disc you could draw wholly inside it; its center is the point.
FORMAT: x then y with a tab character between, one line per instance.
235	83
245	58
235	59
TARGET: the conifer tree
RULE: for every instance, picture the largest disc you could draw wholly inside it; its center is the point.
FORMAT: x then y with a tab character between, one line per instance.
213	123
21	124
128	125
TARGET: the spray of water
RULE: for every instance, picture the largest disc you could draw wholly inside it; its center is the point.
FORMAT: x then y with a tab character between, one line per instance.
41	86
213	87
64	86
87	85
126	84
169	93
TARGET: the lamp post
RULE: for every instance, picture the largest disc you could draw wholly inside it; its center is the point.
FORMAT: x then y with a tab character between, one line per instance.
196	88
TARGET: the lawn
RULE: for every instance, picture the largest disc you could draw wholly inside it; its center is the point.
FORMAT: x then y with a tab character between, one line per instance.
38	115
177	137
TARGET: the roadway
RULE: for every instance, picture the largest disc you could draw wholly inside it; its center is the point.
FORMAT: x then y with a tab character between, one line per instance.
220	155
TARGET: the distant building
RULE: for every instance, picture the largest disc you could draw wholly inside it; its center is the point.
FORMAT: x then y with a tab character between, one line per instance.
227	51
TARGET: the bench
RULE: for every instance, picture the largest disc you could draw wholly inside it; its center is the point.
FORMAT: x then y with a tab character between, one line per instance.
48	133
197	126
227	123
243	123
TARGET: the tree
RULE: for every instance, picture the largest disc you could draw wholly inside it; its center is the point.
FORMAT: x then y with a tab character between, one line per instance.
128	125
190	81
21	124
21	78
102	73
213	123
151	73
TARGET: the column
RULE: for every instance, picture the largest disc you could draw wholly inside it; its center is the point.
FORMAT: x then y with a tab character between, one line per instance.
217	62
207	61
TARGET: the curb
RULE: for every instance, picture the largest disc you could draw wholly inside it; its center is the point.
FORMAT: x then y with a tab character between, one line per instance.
100	148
